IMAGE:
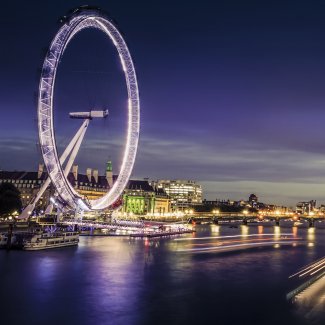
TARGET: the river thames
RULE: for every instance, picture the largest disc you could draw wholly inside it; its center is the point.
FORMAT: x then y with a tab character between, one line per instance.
117	280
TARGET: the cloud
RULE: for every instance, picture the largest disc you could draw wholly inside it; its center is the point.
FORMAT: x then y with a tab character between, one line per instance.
234	170
19	153
287	194
225	168
240	161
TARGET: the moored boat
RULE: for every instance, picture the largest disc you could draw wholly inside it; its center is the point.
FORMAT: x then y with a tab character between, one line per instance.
3	240
51	240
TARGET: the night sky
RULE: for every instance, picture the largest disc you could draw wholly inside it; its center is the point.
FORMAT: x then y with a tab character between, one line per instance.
232	93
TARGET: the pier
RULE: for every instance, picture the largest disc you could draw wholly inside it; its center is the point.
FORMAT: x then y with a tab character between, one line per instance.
162	233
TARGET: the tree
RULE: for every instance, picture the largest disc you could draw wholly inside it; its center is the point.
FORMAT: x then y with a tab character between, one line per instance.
10	200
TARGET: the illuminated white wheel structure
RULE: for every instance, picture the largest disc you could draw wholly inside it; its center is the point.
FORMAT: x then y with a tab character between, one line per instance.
68	197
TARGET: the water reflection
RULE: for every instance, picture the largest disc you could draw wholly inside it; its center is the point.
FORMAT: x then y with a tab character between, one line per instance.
113	280
311	234
295	230
244	230
277	230
260	230
215	229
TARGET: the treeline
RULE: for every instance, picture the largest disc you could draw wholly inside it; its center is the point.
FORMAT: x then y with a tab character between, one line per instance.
10	201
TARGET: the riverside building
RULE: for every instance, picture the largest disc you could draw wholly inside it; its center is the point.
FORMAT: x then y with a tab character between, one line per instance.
183	194
140	198
90	185
306	207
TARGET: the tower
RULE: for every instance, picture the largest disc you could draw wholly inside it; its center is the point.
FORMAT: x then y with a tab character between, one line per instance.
109	173
253	199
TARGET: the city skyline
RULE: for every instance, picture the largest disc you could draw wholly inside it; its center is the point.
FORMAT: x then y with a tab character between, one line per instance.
230	96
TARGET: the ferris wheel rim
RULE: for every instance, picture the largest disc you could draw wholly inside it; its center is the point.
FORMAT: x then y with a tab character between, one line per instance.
84	19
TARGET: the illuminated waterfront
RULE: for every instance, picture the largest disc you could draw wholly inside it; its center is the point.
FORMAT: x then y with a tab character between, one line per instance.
114	280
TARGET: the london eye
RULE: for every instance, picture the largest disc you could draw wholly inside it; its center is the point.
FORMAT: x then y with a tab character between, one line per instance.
81	19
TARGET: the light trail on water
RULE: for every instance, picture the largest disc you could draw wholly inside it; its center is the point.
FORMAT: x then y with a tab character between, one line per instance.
245	245
234	236
240	241
309	269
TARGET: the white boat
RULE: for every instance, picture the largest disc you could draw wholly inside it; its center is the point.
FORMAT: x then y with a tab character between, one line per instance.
3	240
51	240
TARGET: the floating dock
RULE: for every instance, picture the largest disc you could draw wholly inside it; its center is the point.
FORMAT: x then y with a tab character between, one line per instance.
161	233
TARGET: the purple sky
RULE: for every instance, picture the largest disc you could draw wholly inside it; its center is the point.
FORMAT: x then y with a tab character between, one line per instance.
232	94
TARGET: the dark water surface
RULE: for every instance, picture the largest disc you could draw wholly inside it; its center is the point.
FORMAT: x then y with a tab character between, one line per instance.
115	280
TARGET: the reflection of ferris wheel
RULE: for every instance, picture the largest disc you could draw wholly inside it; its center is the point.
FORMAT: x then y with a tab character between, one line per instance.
83	18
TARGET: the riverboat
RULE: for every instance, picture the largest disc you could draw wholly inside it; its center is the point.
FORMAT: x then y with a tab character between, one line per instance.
3	240
51	240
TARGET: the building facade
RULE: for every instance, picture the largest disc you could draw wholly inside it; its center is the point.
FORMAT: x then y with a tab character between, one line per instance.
253	201
140	198
89	185
306	207
28	184
183	194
